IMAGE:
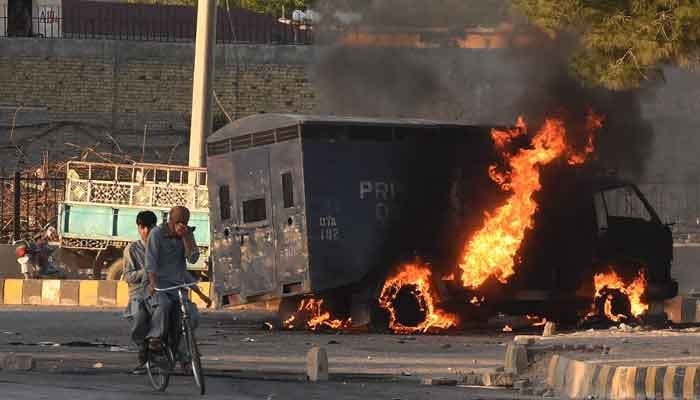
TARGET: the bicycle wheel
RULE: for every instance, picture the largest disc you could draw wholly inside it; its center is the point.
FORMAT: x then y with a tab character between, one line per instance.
195	358
158	367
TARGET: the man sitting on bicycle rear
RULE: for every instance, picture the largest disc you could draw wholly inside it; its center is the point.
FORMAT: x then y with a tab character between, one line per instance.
168	247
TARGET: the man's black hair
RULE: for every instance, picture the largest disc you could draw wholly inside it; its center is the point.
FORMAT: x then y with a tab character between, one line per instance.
147	219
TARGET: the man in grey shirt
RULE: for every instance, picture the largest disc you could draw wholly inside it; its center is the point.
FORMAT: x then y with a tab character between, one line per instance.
168	248
135	276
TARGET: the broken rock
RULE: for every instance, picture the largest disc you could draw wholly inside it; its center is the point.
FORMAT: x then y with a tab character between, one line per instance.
17	362
503	379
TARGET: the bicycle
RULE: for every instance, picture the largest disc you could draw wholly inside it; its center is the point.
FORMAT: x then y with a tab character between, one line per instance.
160	366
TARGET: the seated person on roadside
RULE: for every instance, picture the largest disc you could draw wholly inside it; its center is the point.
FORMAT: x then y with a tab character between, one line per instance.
135	276
168	248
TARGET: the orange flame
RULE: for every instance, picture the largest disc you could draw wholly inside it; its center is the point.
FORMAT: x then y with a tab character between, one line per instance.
317	317
634	291
593	124
491	251
417	276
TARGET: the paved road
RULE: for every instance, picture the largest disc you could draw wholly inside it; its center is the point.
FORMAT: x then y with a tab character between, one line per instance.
36	386
245	360
241	342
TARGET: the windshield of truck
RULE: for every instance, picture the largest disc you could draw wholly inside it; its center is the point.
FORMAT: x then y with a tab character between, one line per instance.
623	202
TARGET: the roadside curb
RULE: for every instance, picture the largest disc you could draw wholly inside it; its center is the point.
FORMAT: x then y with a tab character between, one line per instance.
81	293
577	379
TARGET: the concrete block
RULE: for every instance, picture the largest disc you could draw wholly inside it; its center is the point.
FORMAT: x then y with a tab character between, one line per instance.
516	358
88	293
12	293
682	309
317	364
502	379
31	292
107	293
525	340
520	384
439	381
550	329
122	294
69	293
16	362
51	292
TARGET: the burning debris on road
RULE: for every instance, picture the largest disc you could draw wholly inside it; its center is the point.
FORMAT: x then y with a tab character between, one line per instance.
312	315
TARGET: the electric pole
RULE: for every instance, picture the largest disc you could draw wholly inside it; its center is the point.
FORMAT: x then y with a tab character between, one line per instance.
202	84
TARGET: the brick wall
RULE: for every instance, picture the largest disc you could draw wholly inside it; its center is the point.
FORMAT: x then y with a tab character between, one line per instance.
103	93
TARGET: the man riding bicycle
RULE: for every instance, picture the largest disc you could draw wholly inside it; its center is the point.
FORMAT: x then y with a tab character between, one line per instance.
168	247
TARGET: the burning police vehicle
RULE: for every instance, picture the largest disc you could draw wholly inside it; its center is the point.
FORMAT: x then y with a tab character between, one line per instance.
418	226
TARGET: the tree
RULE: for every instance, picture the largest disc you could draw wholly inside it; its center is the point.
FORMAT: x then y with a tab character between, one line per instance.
622	43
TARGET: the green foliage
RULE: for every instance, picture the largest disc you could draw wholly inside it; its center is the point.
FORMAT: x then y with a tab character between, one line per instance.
623	42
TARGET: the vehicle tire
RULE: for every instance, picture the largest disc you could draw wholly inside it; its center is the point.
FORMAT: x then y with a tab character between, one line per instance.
159	370
115	271
196	360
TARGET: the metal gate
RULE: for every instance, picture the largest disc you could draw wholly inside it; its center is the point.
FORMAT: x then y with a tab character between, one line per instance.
28	202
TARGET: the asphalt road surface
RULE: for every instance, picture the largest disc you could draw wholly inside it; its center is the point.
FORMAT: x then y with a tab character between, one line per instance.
35	386
86	354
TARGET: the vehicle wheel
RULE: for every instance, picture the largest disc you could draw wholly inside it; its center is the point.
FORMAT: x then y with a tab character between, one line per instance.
159	366
115	271
196	359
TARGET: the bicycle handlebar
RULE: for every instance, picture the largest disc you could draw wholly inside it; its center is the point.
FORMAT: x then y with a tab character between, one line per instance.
184	285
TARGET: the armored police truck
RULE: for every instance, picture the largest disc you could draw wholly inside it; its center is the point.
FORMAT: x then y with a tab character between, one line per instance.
327	206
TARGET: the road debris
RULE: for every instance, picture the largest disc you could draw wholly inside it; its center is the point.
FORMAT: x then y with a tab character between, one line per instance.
16	362
441	381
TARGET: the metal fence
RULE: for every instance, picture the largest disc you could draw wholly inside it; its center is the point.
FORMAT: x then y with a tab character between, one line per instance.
78	19
28	202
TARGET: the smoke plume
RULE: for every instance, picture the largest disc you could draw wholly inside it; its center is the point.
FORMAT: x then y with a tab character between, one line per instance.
476	86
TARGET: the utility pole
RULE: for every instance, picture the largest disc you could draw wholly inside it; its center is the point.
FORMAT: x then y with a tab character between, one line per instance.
205	41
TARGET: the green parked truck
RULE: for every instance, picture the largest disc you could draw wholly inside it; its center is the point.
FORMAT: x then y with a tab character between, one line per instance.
97	217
